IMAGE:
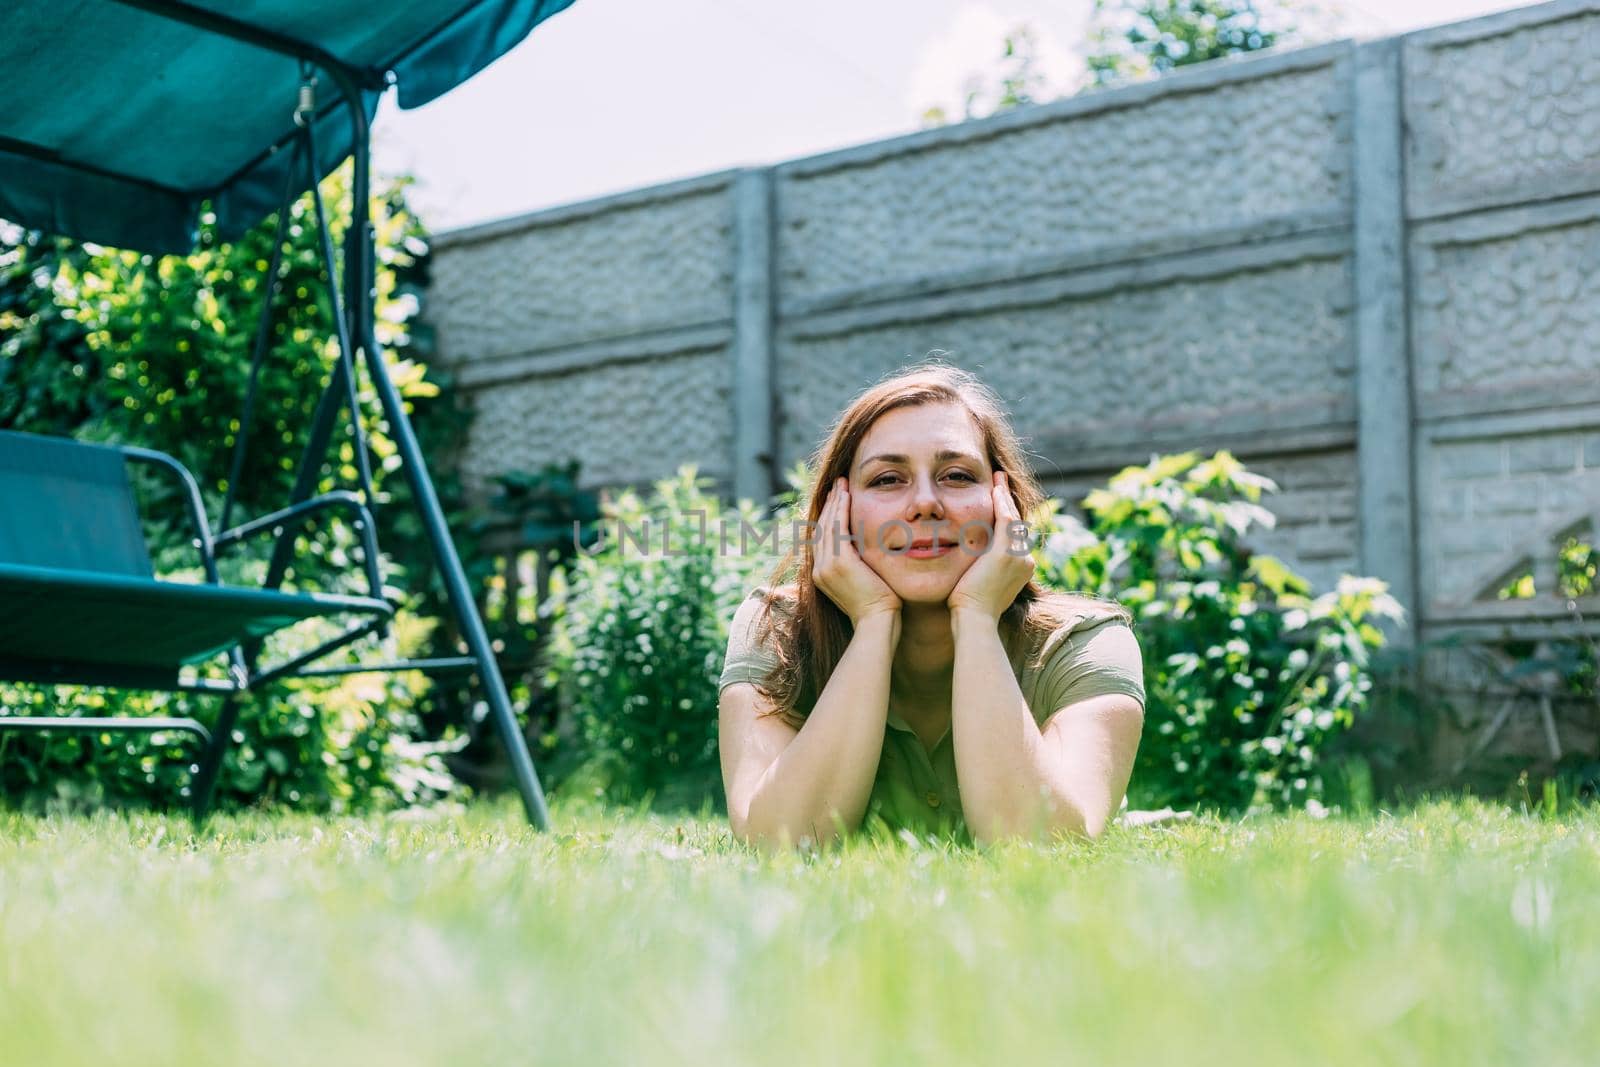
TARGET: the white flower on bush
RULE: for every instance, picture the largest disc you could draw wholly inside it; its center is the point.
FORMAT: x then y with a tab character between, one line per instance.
1069	537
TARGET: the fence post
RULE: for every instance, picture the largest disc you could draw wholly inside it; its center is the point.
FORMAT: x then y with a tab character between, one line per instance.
1384	436
754	438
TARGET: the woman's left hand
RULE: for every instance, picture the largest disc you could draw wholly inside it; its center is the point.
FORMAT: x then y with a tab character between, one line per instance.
998	575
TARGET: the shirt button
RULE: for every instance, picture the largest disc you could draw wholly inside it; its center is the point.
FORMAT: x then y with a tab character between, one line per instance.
932	799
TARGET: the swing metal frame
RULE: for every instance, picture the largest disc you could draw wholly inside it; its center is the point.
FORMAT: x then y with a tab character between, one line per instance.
353	306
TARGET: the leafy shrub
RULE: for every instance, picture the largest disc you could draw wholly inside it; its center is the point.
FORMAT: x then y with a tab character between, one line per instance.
1248	676
639	638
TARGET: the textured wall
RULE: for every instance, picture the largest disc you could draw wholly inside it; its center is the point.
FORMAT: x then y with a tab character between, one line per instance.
1094	178
1387	299
623	420
642	265
598	332
1504	263
1532	288
1496	496
1107	366
1316	511
1504	112
1503	241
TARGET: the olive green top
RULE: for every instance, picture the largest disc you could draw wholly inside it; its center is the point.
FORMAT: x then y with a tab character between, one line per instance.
1093	654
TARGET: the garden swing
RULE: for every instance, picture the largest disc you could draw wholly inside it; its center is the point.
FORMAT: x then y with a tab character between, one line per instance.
171	104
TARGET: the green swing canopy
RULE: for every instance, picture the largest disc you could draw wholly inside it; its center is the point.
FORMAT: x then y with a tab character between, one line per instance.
121	116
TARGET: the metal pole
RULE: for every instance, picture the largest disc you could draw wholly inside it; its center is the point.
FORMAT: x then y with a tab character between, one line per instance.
358	437
358	258
204	783
241	441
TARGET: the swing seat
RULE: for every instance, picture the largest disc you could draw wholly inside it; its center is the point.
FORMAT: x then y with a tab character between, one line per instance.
84	627
79	602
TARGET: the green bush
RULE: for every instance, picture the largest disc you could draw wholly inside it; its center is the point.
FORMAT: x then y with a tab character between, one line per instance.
1249	676
638	642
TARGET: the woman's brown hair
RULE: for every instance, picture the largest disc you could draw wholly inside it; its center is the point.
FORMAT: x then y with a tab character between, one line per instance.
809	637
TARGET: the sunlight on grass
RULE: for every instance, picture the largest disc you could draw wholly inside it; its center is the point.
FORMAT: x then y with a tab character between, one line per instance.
1456	933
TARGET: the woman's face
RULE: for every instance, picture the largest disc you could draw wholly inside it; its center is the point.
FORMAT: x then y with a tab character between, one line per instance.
921	473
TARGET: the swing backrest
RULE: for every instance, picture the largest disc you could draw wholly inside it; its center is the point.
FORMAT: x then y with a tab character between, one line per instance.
66	505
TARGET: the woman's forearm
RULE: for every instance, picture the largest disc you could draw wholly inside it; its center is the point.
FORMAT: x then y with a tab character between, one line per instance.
1005	778
820	783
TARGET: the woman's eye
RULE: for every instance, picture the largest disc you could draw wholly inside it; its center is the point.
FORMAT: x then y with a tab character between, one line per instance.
886	478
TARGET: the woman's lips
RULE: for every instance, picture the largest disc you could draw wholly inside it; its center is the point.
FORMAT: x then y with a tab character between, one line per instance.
930	551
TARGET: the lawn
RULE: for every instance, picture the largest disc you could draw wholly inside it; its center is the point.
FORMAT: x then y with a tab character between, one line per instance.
1453	933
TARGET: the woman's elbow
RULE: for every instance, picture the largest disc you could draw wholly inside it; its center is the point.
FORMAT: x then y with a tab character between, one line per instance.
780	836
1049	822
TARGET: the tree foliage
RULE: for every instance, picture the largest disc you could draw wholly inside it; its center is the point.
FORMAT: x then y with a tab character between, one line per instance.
1136	39
1133	40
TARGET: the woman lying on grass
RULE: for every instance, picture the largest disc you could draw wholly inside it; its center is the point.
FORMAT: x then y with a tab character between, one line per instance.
902	668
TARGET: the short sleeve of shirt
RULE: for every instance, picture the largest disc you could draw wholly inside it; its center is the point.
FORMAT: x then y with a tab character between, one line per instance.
746	661
1097	656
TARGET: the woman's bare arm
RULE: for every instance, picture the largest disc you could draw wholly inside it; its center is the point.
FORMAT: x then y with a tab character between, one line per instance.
785	785
1018	779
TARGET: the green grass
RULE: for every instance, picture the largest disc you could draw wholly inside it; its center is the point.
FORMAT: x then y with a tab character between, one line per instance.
1458	933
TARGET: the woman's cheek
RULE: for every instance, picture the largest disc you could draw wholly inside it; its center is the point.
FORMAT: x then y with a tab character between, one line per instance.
868	532
977	528
861	529
872	534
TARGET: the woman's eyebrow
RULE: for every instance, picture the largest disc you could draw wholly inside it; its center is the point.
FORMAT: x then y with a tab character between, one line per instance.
940	457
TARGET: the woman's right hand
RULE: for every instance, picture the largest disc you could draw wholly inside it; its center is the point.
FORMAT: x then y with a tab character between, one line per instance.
840	572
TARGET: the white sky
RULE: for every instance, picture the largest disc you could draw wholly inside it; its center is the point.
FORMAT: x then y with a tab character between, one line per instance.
617	94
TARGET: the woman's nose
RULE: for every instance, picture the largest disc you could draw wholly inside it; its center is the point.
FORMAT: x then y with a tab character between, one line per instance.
925	500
